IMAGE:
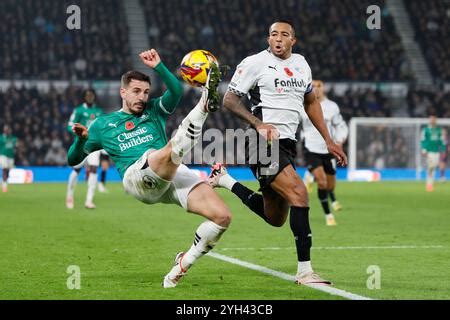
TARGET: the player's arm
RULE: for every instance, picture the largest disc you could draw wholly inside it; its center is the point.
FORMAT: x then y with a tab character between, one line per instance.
74	118
340	128
423	141
86	141
172	96
315	114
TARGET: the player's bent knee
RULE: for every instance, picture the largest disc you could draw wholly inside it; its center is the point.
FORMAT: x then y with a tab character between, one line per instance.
222	219
297	196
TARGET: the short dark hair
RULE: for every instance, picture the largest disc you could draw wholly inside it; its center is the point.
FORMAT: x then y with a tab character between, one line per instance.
289	22
88	90
133	75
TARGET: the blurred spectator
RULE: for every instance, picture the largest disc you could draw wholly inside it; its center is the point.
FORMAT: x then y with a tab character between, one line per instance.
36	44
431	21
332	35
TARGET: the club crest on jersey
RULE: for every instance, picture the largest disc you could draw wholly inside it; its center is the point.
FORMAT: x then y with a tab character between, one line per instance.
129	125
288	72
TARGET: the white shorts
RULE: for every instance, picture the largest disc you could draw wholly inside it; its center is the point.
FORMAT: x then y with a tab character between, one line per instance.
146	186
93	160
432	159
6	163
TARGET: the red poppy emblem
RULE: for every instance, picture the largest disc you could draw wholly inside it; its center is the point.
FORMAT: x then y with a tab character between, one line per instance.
92	116
129	125
288	72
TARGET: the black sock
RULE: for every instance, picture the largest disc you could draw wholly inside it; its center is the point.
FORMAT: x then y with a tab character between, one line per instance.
299	221
323	197
332	196
103	176
251	199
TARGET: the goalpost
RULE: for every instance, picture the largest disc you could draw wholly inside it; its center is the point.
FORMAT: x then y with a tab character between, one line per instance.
388	143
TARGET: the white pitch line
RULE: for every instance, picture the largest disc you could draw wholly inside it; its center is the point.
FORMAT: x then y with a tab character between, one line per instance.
288	277
340	248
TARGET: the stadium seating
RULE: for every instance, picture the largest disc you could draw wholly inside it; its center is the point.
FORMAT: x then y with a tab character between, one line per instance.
431	20
35	44
343	48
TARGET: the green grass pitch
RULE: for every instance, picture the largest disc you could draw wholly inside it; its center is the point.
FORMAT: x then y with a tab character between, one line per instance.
124	247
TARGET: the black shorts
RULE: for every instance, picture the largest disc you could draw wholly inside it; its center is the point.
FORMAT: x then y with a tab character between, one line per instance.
267	172
314	160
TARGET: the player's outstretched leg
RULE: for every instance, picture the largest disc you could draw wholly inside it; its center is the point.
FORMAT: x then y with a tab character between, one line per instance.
5	174
219	177
190	129
92	184
202	200
71	184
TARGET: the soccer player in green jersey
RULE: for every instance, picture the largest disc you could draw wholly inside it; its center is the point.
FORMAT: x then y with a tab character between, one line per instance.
84	114
432	145
148	163
7	148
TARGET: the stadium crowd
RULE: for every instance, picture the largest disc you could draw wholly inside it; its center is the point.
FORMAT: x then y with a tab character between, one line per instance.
431	21
341	49
44	140
36	44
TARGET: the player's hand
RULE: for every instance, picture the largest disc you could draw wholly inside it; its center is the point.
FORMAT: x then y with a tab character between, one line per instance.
150	58
80	130
338	153
268	131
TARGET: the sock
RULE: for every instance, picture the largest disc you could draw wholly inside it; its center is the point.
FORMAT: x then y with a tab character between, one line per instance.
332	196
323	197
73	179
103	176
190	129
206	237
254	201
227	181
299	222
304	267
92	183
430	176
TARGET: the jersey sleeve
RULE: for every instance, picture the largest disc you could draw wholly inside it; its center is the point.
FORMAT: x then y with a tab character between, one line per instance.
80	148
74	118
423	140
340	128
309	86
245	77
172	96
94	141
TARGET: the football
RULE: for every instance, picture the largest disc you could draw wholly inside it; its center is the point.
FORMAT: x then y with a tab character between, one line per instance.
195	66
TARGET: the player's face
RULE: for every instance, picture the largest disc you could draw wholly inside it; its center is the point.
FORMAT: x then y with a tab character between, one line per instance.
318	88
89	97
433	120
135	96
281	40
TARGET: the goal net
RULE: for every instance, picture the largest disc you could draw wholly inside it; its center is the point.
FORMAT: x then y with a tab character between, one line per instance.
388	145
